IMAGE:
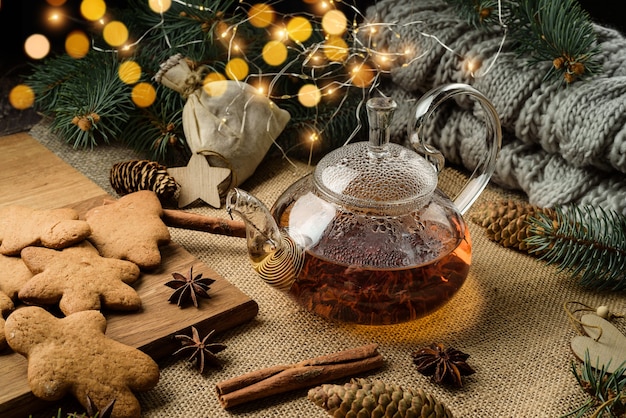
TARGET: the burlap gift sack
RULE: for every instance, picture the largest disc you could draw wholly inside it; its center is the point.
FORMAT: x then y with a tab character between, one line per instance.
227	121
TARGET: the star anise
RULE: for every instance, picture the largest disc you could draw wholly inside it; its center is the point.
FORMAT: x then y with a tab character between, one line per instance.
202	351
93	412
189	288
445	365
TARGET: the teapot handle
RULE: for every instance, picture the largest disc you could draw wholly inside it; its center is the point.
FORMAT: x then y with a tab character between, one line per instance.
493	140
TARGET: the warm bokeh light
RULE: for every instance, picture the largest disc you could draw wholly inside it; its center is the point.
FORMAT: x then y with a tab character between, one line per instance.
237	69
280	34
335	48
221	29
383	59
261	15
115	33
471	65
362	75
37	46
77	44
334	22
129	72
93	9
213	76
160	6
143	94
54	18
309	95
274	53
56	3
260	87
215	88
21	97
299	29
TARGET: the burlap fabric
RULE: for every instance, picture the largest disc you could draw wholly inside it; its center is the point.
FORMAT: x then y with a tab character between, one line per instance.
508	316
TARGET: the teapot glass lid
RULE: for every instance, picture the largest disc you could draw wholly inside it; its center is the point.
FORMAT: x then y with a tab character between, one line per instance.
355	175
377	173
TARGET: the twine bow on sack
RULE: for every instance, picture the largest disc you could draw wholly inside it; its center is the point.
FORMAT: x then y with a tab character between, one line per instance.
227	121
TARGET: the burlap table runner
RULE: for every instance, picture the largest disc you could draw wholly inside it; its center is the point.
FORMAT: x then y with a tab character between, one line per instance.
508	316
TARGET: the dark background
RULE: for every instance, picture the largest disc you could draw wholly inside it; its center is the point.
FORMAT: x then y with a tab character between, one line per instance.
21	18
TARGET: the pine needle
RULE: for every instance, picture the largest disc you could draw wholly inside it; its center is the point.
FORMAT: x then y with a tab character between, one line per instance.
607	391
559	32
588	242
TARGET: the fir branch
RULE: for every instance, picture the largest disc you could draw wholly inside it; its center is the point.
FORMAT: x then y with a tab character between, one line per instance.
158	131
96	97
187	28
340	122
591	244
48	76
482	13
560	32
607	391
542	31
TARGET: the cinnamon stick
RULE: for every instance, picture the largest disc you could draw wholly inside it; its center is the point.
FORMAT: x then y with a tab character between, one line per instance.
308	373
196	222
187	220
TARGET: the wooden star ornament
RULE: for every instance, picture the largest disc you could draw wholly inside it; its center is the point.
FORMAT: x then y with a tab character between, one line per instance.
198	180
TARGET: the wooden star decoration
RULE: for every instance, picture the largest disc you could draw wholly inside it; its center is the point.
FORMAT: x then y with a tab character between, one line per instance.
198	180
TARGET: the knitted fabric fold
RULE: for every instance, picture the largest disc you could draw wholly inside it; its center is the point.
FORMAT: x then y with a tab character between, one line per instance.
561	143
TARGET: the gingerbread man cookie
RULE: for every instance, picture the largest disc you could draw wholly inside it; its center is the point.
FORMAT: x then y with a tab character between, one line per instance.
6	307
72	355
79	279
13	274
130	228
21	226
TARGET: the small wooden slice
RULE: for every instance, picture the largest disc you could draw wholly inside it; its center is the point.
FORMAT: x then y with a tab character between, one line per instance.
610	349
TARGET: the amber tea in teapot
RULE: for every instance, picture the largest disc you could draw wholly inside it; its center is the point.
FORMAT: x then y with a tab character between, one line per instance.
368	238
360	277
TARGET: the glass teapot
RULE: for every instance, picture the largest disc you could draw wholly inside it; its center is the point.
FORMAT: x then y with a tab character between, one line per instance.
367	237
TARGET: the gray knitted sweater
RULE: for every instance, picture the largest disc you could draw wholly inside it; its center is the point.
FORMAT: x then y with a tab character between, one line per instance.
561	144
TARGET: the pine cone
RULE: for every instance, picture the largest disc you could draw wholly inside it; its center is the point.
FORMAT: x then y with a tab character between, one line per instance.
503	210
508	221
362	398
132	176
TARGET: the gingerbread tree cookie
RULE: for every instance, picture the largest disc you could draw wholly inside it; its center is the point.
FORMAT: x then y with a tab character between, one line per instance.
72	355
79	279
130	228
21	226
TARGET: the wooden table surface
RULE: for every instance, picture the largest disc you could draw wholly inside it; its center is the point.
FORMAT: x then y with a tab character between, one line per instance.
33	176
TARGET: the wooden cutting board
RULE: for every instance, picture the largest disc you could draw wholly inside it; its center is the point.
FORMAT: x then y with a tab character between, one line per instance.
32	175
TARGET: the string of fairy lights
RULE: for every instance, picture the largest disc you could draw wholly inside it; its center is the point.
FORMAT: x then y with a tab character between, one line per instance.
345	57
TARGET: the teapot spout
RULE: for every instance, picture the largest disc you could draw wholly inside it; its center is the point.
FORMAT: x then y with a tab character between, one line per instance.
273	255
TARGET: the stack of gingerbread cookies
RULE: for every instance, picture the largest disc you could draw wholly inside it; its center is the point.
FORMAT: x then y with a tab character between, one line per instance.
57	273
